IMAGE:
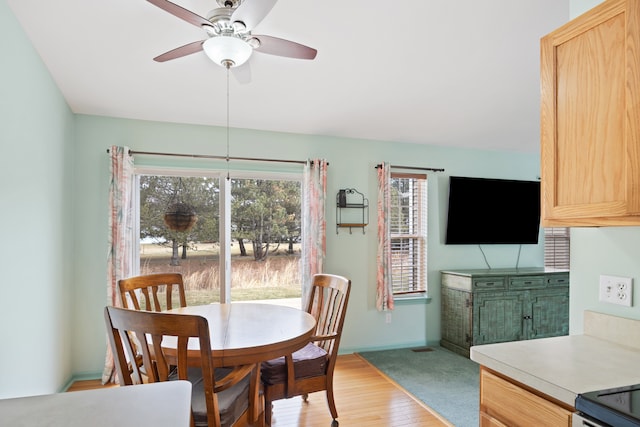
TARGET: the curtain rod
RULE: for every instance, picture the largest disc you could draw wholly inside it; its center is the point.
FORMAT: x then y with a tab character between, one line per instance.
412	167
204	156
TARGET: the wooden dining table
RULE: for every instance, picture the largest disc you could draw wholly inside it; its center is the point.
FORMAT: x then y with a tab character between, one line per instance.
245	333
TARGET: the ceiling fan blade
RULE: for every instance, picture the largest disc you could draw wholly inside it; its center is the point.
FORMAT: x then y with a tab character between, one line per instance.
242	74
251	12
275	46
181	51
181	12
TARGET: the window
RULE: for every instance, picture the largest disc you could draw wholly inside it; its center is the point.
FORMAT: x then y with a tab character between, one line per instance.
408	228
251	223
556	247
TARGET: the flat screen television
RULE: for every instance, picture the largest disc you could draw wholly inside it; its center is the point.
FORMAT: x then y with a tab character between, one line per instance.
492	211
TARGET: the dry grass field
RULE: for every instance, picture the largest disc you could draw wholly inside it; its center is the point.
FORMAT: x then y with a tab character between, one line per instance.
276	277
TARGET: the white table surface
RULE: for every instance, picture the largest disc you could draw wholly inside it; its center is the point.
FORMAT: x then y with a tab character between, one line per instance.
166	404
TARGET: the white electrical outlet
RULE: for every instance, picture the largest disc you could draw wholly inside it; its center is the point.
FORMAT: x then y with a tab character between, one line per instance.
388	318
616	290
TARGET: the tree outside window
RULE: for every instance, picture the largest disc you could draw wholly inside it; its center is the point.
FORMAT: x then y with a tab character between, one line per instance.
265	232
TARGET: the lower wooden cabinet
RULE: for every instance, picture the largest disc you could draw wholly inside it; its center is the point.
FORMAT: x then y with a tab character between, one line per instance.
491	306
504	402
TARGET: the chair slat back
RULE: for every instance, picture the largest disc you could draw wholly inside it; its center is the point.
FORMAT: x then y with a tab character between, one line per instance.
327	303
145	292
148	329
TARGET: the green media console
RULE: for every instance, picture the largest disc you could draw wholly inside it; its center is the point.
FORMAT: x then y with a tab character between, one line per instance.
500	305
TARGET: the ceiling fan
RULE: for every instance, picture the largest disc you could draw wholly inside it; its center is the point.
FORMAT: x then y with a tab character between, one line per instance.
230	42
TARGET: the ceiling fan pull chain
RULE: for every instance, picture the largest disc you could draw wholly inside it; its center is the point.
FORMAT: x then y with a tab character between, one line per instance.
228	122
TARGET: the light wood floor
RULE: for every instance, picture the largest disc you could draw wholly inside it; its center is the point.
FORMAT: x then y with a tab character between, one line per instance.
364	396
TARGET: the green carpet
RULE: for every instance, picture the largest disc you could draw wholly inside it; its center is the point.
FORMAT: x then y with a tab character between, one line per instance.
445	381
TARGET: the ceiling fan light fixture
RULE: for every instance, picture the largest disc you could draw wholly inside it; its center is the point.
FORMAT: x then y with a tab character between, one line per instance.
211	30
239	27
253	42
227	51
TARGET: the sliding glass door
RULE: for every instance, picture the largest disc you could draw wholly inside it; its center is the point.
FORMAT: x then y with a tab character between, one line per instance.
232	239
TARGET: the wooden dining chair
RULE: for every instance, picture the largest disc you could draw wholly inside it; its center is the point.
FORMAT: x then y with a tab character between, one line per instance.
220	397
311	369
149	289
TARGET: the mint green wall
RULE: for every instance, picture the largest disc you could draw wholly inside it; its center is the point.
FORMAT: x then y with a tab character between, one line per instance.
578	7
595	251
36	165
351	166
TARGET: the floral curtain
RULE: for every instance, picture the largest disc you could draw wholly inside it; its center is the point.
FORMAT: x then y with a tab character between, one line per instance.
313	220
384	291
120	243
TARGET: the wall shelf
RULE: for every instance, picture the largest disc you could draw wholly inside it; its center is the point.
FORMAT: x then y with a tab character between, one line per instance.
352	210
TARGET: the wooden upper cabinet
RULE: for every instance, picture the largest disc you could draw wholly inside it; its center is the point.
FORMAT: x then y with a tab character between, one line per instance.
590	118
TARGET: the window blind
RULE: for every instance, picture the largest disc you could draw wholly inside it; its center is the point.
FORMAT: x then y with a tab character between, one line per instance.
408	228
557	247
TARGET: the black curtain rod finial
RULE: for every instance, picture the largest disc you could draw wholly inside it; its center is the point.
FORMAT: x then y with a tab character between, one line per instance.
379	165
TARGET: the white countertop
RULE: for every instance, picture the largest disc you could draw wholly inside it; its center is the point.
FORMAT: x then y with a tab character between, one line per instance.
164	404
563	367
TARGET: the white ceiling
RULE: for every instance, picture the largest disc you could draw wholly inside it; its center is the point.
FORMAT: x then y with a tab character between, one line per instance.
460	73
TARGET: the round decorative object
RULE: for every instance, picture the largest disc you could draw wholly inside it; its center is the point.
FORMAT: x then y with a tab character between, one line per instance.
180	217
